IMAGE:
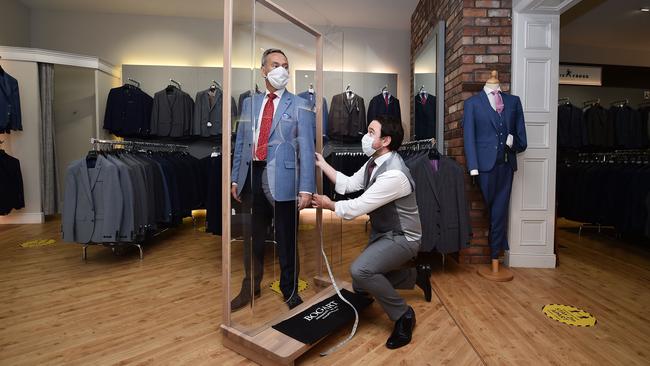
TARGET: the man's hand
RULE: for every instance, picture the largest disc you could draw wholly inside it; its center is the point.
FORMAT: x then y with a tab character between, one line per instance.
305	200
321	201
319	160
233	192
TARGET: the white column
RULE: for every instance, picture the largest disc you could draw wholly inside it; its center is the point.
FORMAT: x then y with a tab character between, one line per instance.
535	61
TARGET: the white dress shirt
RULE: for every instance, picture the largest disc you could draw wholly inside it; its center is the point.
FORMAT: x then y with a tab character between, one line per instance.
389	186
491	97
258	126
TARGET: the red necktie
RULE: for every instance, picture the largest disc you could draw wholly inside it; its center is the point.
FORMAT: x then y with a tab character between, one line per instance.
424	100
386	100
265	128
371	168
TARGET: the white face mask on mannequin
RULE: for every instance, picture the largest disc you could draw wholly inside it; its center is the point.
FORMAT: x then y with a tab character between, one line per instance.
366	145
278	77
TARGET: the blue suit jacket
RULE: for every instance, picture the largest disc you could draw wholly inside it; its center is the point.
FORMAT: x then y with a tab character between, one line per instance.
290	160
480	131
10	114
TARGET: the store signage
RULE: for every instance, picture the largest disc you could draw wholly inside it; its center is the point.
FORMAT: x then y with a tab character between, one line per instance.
581	75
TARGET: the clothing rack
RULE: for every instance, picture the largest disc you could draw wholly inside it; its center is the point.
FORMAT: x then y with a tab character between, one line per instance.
116	247
617	156
620	102
419	144
130	143
563	101
591	102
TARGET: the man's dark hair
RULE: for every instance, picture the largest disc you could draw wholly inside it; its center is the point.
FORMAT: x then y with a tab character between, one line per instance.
270	51
391	126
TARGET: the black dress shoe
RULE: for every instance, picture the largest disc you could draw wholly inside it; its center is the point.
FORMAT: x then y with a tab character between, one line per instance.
403	330
243	299
293	301
423	280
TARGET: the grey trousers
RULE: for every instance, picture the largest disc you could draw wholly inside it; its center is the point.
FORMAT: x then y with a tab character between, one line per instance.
377	271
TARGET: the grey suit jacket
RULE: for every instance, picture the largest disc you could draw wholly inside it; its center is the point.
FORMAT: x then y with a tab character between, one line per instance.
204	113
347	118
127	225
93	202
171	115
444	213
139	193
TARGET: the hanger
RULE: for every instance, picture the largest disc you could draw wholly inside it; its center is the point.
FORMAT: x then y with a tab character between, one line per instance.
171	87
134	82
311	88
348	91
257	89
384	90
215	84
434	154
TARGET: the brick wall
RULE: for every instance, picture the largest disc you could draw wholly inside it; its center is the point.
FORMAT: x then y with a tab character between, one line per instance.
478	40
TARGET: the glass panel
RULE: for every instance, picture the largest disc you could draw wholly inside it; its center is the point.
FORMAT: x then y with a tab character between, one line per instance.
425	86
276	247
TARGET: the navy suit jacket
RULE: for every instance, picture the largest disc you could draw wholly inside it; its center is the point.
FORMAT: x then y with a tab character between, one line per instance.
480	123
10	115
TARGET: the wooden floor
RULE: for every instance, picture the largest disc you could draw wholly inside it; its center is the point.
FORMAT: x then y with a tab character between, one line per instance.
57	309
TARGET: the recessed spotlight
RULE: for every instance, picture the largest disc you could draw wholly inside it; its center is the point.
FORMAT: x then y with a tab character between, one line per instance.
645	9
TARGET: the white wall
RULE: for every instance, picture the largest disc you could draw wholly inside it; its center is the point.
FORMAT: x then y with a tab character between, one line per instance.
602	55
157	40
14	24
25	145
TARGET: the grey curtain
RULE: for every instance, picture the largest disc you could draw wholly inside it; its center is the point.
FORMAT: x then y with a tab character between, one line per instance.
49	193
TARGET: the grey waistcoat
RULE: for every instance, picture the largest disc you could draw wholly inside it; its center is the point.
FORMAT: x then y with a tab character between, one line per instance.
398	216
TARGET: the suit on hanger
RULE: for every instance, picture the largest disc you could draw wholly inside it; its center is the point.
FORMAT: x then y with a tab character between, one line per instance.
127	225
485	135
10	113
207	119
378	107
12	196
425	116
347	118
441	203
171	114
128	111
93	202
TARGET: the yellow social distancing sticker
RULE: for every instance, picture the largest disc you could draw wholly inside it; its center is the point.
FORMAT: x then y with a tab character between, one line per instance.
569	315
38	243
275	286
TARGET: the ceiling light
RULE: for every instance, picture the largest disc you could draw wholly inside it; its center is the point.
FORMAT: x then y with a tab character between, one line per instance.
645	9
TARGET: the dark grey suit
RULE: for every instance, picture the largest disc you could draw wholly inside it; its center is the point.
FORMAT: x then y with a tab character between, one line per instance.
171	114
205	112
127	225
441	203
93	202
347	118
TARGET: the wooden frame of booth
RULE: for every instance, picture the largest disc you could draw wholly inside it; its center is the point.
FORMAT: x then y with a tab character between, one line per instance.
268	347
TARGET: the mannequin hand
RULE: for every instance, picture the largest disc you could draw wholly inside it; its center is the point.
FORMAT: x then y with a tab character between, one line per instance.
321	201
233	192
305	200
319	160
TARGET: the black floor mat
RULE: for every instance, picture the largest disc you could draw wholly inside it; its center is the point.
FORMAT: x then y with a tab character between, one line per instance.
322	318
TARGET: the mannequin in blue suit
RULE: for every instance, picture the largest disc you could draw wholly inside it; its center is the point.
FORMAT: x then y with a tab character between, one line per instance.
492	141
275	183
